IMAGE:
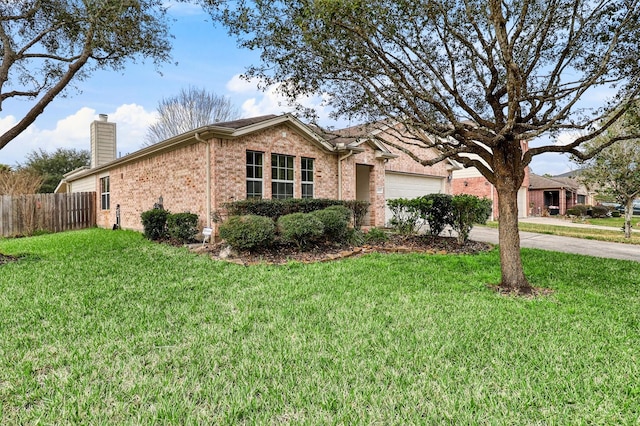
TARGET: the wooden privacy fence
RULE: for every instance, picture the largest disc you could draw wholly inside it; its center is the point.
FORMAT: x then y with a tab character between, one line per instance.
25	214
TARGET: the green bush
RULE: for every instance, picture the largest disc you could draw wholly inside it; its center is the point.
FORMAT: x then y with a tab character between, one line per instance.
300	228
467	210
578	210
335	222
249	232
436	210
154	222
375	236
182	227
573	212
343	210
406	214
355	237
600	211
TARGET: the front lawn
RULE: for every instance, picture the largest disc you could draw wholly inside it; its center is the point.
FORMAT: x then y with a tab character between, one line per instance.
614	222
103	327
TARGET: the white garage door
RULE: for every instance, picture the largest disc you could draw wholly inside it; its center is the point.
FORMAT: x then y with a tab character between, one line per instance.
397	185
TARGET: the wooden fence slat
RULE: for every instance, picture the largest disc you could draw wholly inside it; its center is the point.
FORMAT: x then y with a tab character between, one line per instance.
24	214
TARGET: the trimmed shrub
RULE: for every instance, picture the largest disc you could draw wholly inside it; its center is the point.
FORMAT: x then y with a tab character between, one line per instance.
343	210
375	236
154	222
182	227
467	210
436	210
335	222
581	210
300	228
573	212
249	232
599	211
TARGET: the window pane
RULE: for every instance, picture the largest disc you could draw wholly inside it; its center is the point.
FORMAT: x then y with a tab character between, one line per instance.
254	174
307	190
282	176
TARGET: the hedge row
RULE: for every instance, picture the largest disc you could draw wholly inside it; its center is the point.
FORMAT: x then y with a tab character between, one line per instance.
275	208
584	210
253	232
161	224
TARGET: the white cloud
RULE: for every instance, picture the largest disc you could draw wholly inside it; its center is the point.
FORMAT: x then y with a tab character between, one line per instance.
183	9
255	102
238	84
74	132
565	138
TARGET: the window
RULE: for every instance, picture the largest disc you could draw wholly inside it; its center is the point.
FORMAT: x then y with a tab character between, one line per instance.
307	177
254	174
281	176
105	195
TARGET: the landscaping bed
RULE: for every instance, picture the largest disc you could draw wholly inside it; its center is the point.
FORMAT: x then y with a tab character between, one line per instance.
6	259
323	252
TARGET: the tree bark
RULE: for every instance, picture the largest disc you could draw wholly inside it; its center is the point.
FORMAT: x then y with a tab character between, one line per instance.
628	214
508	175
512	271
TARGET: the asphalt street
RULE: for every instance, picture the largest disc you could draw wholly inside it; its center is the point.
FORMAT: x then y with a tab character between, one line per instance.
563	244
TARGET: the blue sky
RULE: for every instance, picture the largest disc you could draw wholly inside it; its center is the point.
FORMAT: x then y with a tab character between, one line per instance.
206	58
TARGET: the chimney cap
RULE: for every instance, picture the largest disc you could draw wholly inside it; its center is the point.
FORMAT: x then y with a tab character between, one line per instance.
103	117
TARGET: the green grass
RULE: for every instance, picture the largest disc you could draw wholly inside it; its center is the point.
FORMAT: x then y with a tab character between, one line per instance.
614	235
102	327
614	222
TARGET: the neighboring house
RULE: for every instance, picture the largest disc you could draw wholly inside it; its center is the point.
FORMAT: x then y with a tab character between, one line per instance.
262	157
555	194
469	180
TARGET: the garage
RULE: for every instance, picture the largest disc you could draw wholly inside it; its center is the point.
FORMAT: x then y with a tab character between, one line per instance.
402	185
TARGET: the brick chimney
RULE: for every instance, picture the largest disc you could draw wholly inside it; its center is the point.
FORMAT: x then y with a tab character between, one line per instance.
103	141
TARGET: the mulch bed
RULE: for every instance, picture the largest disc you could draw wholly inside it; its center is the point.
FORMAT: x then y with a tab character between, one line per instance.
329	252
5	258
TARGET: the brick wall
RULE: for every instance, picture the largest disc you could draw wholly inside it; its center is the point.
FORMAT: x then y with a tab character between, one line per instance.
178	176
230	158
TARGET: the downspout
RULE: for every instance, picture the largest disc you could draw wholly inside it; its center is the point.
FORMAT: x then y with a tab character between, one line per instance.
344	157
208	178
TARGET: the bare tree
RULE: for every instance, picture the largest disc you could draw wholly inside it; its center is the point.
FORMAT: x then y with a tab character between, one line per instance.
19	182
475	79
190	109
48	45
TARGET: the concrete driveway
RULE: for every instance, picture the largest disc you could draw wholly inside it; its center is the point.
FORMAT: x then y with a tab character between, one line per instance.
563	244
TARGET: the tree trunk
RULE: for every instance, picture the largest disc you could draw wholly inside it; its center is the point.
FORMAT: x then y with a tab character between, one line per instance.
628	213
509	241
